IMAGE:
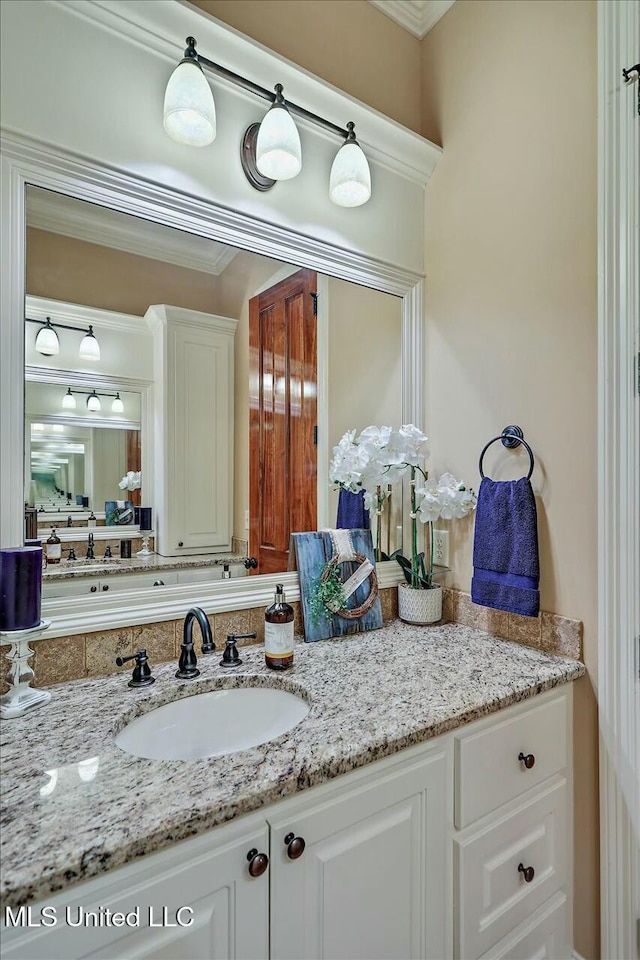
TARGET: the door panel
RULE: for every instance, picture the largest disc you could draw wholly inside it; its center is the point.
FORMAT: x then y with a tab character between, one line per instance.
282	418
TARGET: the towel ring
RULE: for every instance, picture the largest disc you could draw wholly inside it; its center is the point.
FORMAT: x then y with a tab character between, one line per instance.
511	438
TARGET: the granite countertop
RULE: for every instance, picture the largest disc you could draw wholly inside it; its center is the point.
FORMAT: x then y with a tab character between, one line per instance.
74	805
71	569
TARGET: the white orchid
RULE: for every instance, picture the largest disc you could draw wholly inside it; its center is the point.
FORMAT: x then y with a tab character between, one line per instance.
446	499
377	457
131	480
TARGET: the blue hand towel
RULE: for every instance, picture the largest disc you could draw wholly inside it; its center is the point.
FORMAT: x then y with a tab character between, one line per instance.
351	511
506	568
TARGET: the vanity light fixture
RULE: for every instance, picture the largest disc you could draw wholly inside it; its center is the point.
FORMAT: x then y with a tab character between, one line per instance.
89	347
47	342
278	148
93	402
48	345
271	150
350	180
68	401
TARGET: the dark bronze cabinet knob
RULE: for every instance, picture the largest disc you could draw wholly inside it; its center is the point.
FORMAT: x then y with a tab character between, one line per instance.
258	863
295	846
528	759
93	588
105	587
181	543
527	872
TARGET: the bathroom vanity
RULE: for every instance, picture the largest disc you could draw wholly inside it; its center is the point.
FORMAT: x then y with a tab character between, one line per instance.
421	809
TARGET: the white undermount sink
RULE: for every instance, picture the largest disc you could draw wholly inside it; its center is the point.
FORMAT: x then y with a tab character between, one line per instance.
213	724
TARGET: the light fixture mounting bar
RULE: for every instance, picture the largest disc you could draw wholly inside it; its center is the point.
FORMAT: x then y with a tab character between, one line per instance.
62	326
255	88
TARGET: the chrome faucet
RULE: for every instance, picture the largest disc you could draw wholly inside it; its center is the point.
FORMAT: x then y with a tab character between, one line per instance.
187	664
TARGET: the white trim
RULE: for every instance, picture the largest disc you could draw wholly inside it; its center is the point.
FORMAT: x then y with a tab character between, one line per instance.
98	225
71	615
416	16
25	162
618	477
162	26
38	308
576	956
322	380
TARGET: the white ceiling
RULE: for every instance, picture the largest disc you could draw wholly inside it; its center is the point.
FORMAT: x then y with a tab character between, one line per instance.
57	213
416	16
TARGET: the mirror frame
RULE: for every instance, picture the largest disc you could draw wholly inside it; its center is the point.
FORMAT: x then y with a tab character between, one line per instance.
24	163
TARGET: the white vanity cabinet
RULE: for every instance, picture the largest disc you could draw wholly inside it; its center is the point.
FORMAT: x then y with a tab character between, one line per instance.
193	361
228	915
359	874
416	856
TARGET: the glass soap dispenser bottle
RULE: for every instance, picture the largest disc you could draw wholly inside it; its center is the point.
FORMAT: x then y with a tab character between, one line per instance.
53	547
278	632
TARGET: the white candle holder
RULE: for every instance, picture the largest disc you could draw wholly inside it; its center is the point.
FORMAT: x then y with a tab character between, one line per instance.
21	696
145	552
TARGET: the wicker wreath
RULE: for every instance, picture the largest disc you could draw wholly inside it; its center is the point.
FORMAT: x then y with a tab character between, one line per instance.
360	611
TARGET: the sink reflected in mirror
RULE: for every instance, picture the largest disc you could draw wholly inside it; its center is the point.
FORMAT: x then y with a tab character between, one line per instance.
213	724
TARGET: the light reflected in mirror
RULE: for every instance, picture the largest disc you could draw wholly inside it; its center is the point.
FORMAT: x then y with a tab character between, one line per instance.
237	374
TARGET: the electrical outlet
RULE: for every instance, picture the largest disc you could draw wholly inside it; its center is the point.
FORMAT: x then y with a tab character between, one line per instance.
441	548
246	519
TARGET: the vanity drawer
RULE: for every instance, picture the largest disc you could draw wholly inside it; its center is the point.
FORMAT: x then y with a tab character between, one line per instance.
543	936
493	895
138	581
75	587
488	771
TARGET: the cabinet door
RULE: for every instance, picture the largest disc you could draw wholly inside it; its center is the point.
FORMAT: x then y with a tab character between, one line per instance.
371	882
203	437
224	911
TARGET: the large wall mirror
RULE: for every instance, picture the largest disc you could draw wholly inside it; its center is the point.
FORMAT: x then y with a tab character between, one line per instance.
223	378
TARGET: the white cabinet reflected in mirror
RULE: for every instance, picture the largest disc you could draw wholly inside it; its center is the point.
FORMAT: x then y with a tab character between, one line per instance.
236	373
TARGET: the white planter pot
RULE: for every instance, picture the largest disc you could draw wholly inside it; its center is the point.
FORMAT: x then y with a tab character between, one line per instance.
419	606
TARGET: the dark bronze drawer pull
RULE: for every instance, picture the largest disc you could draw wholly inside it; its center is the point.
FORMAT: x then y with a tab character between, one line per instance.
295	846
258	862
528	759
527	872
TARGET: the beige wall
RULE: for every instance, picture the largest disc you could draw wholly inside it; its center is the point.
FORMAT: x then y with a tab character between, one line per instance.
365	370
346	42
511	304
63	268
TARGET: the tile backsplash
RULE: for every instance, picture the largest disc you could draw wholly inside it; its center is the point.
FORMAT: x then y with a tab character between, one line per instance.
94	654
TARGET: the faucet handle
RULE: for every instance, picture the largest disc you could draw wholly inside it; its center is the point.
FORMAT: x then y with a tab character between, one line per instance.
141	676
231	657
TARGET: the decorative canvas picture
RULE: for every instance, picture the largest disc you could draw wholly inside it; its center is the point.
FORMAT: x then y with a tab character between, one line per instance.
118	513
338	583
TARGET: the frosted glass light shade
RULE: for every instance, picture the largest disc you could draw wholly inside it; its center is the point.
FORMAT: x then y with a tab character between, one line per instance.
189	108
350	179
69	401
47	342
278	148
93	402
89	347
117	406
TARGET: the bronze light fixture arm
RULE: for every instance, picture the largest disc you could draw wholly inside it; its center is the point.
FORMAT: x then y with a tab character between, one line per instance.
61	326
192	54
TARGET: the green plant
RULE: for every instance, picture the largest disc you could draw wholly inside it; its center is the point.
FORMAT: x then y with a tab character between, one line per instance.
327	596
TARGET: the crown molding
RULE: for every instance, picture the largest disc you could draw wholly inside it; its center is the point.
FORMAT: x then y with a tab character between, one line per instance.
55	213
416	16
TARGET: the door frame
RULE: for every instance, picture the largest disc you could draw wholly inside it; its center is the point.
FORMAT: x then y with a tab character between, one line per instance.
618	477
26	161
